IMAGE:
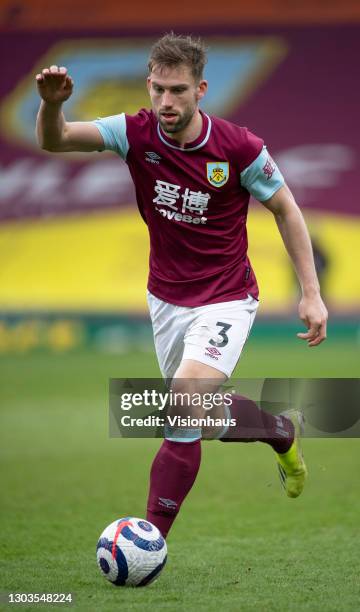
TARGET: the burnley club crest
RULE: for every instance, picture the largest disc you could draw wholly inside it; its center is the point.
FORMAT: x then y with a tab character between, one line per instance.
217	173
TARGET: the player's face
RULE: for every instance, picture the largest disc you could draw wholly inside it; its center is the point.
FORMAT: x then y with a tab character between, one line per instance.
174	96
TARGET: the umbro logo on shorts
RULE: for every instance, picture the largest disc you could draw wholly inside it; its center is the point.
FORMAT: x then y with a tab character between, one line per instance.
168	503
152	157
212	352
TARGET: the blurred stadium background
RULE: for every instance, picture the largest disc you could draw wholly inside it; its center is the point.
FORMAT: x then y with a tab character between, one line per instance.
74	252
73	248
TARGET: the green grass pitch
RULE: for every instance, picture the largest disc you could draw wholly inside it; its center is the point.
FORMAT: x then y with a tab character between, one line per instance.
239	544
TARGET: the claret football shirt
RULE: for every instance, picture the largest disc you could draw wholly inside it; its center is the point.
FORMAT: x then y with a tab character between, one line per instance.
194	201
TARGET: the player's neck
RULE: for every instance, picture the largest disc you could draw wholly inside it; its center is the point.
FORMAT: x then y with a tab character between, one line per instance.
191	132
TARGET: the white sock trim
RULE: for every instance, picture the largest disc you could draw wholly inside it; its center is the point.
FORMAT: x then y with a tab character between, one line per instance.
174	434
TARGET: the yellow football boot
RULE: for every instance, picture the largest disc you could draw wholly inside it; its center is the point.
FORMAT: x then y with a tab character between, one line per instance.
291	465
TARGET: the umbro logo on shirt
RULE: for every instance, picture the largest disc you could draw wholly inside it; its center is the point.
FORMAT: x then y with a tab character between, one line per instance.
152	157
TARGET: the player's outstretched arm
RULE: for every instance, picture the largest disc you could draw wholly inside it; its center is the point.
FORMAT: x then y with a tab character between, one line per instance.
295	235
54	133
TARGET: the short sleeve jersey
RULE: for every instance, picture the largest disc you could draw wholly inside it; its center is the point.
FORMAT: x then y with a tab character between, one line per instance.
194	201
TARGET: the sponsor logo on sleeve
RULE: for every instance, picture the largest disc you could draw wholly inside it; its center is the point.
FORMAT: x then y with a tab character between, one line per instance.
269	168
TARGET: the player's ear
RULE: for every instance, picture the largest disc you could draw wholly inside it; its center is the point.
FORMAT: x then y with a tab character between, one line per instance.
148	83
201	89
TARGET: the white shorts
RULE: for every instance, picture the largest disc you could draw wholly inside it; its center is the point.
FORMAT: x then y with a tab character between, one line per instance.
213	334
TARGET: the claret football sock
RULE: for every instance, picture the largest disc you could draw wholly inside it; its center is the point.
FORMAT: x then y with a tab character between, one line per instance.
172	475
256	425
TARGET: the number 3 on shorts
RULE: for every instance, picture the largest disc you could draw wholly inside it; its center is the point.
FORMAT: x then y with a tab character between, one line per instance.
224	328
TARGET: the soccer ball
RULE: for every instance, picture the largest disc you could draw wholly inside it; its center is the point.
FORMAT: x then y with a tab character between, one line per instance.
131	552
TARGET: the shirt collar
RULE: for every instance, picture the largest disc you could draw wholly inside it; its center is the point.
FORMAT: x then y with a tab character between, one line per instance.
199	142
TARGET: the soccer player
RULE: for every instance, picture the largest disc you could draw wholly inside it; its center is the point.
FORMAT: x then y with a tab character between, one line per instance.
193	176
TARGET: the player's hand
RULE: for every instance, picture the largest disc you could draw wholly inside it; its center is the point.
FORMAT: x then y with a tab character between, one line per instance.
54	84
313	313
